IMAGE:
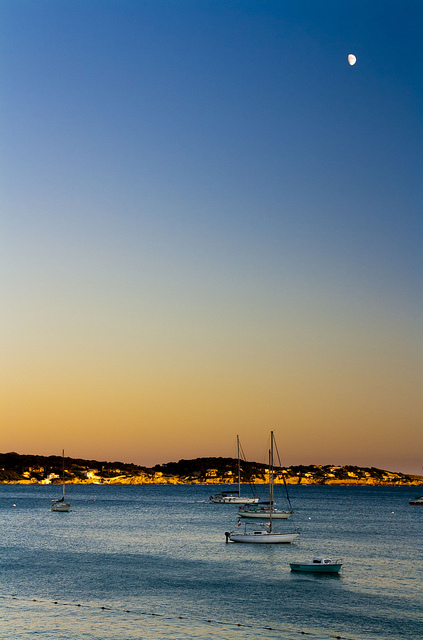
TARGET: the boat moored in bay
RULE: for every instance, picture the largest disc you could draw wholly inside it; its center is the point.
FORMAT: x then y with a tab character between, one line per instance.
262	510
234	496
318	565
262	533
60	505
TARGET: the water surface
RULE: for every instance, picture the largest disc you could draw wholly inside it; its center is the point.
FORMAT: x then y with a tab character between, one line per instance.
151	562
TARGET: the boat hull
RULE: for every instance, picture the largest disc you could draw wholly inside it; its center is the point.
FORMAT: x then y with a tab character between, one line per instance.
310	568
61	507
416	502
232	500
263	538
276	515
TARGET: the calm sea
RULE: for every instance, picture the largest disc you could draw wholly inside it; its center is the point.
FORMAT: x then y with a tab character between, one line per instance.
151	562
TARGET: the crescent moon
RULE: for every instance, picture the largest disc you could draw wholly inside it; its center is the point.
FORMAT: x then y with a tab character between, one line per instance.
352	59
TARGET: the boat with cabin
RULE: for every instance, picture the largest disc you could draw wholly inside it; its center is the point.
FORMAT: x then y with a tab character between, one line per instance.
318	565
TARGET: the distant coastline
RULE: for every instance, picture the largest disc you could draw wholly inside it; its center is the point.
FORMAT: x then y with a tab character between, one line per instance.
33	469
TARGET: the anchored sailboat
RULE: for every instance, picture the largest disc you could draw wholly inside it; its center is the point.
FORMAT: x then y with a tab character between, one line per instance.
263	533
264	509
61	505
234	497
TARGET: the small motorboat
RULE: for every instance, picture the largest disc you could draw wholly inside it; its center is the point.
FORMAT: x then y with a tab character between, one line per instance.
416	501
318	565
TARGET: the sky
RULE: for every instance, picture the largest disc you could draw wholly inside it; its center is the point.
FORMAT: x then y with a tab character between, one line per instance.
211	225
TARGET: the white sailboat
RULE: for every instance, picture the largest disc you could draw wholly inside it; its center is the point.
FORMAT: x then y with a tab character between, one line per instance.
263	533
61	505
264	509
234	497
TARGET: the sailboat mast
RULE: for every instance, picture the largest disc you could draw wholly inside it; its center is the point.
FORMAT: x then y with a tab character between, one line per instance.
239	469
63	472
271	479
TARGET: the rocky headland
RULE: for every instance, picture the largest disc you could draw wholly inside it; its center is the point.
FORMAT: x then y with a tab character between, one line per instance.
34	469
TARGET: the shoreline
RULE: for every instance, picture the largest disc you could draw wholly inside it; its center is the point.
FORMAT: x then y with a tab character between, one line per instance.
213	472
135	480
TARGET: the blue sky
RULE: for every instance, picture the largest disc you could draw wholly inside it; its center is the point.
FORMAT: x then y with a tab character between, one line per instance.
212	225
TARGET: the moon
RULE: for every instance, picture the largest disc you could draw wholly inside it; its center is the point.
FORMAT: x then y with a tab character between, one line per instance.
352	59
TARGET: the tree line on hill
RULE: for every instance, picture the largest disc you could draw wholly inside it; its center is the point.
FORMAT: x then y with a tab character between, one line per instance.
15	467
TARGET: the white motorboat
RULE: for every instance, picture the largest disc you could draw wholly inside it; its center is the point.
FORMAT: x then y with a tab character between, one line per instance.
262	533
318	565
61	505
234	496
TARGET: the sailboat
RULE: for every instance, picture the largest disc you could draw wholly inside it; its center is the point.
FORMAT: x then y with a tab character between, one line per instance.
263	533
234	497
61	505
262	508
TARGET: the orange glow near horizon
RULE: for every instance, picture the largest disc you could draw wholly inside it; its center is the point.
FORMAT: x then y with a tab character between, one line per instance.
345	409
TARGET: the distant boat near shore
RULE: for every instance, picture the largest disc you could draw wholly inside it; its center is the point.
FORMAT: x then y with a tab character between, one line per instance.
234	497
416	501
60	505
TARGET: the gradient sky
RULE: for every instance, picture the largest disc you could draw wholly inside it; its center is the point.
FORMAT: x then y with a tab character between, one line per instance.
212	225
